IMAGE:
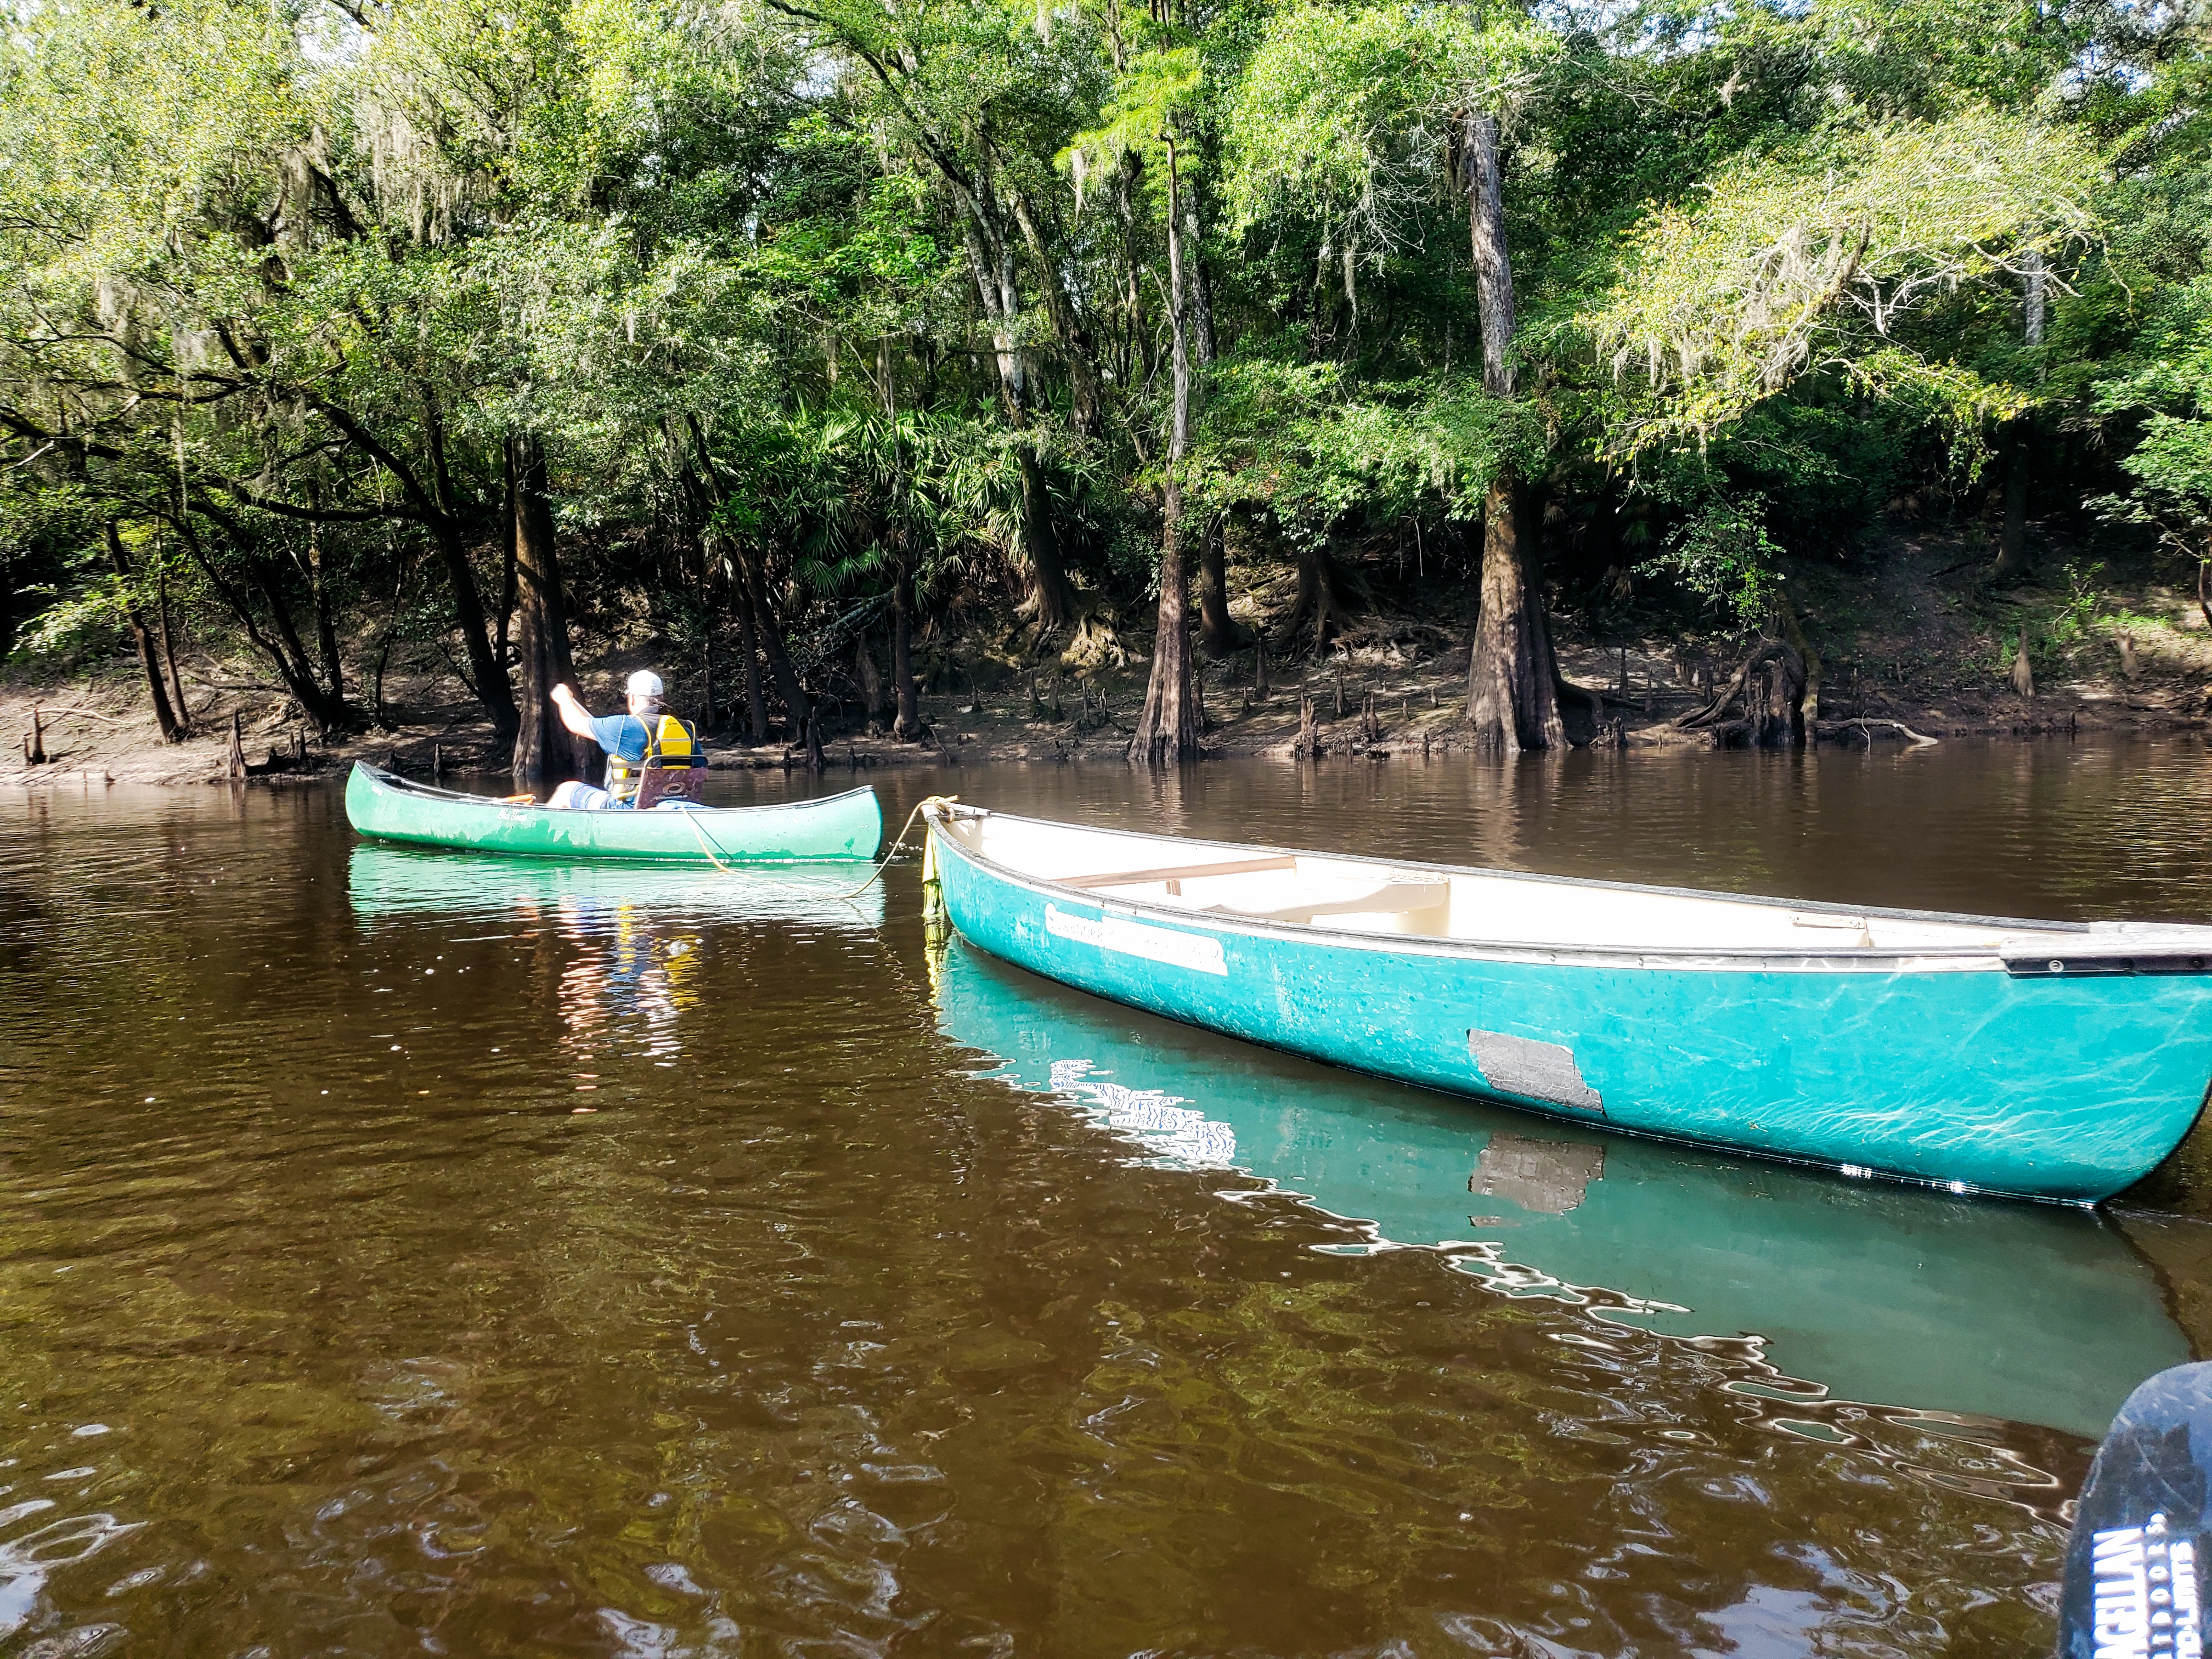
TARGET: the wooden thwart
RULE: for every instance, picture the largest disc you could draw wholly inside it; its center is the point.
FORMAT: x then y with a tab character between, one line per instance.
1180	872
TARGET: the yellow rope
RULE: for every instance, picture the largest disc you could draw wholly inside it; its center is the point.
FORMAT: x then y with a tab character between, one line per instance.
899	840
691	818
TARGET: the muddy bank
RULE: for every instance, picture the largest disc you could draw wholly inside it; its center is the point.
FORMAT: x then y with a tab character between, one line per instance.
94	734
1923	654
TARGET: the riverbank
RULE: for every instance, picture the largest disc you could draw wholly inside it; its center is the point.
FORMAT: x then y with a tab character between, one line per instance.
1927	651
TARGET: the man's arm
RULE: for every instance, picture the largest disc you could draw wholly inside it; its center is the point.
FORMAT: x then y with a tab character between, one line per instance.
573	714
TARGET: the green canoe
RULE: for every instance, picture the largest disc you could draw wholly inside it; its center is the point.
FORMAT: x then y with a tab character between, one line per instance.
390	808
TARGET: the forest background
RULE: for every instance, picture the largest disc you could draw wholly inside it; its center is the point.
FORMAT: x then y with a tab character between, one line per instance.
821	347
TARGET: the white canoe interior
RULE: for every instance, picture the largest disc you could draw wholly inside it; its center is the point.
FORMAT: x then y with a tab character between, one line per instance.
1369	895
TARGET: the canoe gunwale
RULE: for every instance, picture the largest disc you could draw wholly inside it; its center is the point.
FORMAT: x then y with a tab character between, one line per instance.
2100	953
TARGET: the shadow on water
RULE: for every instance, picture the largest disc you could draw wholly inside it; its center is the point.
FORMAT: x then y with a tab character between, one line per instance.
1831	1295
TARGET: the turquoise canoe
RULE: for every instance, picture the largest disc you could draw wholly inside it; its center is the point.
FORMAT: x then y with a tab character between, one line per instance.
2039	1060
1793	1285
390	808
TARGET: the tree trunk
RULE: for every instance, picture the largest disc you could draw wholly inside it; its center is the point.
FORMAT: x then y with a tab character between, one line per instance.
748	648
1051	601
183	710
700	485
1808	655
872	681
1512	695
1778	720
796	703
1493	263
171	730
1764	704
487	660
1201	288
1168	729
299	671
509	597
1077	349
327	633
492	689
906	727
2012	539
285	655
1217	632
544	752
1318	601
2019	457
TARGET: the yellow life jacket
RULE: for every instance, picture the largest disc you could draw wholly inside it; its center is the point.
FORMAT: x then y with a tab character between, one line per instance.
669	742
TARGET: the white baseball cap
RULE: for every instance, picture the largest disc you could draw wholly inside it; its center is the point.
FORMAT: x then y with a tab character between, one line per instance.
644	684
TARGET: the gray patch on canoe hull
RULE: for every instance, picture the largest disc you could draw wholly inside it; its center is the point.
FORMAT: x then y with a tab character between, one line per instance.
1532	1070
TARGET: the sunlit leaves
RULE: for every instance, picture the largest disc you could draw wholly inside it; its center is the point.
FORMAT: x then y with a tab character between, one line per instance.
1308	445
1780	266
1344	114
2169	389
1141	117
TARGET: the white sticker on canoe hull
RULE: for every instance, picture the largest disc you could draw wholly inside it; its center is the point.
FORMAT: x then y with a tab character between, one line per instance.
1197	951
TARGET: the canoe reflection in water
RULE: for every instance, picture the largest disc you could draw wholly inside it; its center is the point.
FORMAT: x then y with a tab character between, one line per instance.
1837	1310
634	930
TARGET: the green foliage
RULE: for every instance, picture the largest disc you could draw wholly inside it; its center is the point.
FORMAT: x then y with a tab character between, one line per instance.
1722	554
2168	389
2059	630
268	266
1149	105
1342	113
1816	261
1310	446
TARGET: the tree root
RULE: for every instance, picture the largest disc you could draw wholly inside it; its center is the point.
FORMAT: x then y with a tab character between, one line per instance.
1916	740
1775	717
1592	701
1095	644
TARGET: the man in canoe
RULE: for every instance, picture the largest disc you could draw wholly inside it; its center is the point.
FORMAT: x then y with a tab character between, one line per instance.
647	730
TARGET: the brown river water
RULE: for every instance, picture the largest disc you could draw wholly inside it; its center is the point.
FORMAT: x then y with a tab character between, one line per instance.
407	1254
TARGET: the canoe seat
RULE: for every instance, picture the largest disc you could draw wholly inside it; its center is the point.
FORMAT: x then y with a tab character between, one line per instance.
1387	898
658	783
1180	873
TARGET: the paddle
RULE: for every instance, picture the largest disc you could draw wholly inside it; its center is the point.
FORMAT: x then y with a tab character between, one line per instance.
2135	1565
